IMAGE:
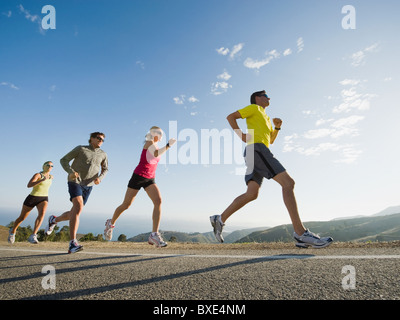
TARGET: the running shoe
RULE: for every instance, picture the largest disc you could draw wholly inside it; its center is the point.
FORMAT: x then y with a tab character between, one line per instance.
33	239
156	239
11	237
309	239
74	246
50	226
108	231
218	226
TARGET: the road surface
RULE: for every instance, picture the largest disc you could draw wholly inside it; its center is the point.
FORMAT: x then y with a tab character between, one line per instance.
121	271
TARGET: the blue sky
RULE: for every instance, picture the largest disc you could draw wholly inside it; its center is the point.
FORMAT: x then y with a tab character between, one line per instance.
122	67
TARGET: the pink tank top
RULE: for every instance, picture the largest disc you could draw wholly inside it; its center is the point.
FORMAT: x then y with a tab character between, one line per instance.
147	165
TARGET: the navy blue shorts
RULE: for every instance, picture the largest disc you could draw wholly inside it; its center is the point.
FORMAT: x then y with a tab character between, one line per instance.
76	190
261	163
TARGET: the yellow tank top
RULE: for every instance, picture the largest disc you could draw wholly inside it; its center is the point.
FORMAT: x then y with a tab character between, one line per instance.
42	189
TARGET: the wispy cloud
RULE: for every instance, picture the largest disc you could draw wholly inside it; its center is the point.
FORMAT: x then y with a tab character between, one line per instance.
34	18
271	55
232	52
10	85
140	64
257	64
8	14
358	58
236	49
328	134
287	52
181	100
351	98
220	87
224	76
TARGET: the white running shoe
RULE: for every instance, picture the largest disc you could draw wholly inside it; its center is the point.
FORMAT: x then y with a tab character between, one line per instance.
309	239
11	237
156	239
51	225
218	226
108	231
33	239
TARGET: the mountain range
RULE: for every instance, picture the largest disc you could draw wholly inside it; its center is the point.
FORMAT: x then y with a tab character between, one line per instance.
382	226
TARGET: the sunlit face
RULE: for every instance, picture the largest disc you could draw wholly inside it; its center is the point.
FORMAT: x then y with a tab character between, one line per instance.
48	167
97	141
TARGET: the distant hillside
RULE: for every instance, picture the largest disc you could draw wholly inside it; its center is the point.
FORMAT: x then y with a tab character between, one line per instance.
238	234
171	236
207	237
373	228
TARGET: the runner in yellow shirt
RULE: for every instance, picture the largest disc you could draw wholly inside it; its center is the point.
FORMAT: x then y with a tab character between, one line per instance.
261	164
40	182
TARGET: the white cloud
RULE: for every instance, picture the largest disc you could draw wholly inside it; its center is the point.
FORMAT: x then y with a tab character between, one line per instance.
287	52
320	122
345	122
10	85
256	64
193	99
318	133
300	44
223	51
32	18
28	16
179	100
219	87
358	58
333	134
349	155
233	52
224	76
236	49
351	99
182	98
351	82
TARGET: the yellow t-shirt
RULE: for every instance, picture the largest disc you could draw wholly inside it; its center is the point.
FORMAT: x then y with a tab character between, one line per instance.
42	189
257	120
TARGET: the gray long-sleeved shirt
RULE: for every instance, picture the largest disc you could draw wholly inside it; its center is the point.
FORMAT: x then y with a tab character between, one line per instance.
87	162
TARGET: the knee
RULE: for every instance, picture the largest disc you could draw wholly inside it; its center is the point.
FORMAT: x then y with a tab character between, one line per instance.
289	184
157	202
251	196
125	206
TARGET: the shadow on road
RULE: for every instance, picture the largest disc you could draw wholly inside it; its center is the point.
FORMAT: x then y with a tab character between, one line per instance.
132	284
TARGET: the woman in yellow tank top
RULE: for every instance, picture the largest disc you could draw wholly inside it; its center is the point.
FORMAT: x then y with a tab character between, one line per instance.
40	182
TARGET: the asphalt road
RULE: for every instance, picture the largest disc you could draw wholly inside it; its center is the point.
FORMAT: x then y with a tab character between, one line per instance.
217	272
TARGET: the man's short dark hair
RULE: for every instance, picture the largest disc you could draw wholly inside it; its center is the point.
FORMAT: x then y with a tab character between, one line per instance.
256	94
95	134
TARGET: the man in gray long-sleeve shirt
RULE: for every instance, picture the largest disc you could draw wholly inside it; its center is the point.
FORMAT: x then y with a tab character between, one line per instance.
83	173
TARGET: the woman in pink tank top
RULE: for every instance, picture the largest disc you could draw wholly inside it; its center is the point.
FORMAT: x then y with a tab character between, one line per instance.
144	177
